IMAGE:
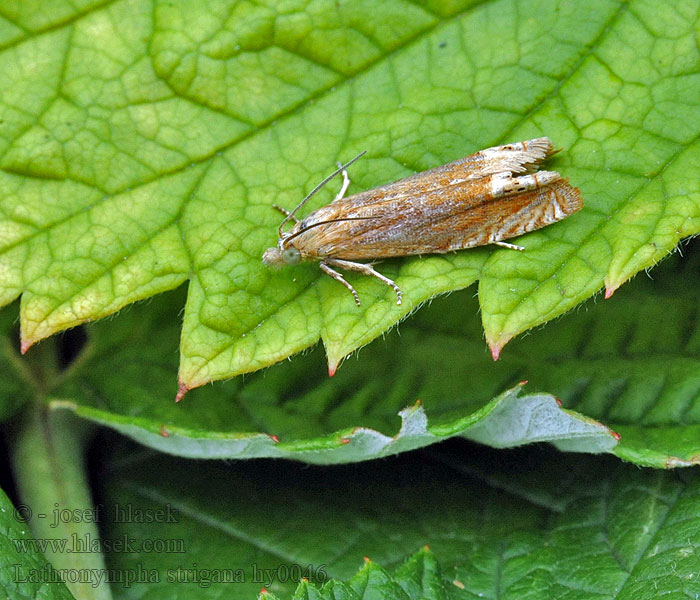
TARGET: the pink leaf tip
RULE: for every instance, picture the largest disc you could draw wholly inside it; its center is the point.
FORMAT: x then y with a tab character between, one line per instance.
182	389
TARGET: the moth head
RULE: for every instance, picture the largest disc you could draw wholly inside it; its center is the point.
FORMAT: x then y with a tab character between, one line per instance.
279	256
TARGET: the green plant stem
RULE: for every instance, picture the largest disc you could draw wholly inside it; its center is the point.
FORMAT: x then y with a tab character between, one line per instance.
49	467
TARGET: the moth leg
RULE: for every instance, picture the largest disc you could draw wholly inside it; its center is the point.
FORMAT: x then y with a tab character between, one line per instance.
346	183
511	246
365	270
285	212
338	277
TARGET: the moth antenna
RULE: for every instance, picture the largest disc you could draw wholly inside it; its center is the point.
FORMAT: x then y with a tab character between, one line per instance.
291	237
316	189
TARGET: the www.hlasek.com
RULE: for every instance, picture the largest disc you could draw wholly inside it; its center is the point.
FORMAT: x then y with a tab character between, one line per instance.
203	578
87	544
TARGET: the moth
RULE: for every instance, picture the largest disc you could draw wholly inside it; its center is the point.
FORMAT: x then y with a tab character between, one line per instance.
485	198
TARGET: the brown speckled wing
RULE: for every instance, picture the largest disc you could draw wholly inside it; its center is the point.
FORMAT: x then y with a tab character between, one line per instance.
444	219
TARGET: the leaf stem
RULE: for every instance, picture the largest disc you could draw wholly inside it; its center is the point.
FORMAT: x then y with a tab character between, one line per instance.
49	467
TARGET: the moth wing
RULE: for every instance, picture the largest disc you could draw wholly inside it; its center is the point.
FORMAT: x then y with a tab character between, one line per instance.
442	224
517	158
387	226
510	216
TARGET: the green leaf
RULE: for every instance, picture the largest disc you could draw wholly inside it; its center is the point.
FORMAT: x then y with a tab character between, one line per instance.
507	421
630	363
143	144
525	524
24	572
419	577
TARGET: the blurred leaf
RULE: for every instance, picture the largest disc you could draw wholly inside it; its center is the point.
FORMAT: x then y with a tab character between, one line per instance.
527	524
24	572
